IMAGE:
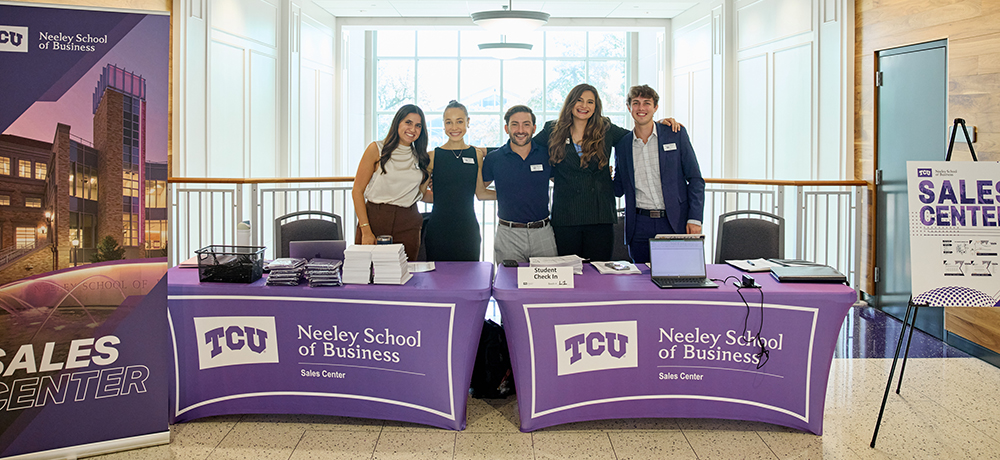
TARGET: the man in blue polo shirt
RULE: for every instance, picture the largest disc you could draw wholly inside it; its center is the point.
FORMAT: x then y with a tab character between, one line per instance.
521	171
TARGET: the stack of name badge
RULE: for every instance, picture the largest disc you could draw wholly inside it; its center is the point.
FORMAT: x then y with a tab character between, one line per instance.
285	272
389	263
357	268
323	272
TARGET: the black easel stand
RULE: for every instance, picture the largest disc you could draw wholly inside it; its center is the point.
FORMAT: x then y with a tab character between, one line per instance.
912	306
954	130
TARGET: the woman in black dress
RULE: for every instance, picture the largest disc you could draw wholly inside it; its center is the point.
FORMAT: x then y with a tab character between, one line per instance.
452	232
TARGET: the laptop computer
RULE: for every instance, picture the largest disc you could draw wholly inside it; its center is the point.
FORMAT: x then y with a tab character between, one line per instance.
323	249
678	261
808	274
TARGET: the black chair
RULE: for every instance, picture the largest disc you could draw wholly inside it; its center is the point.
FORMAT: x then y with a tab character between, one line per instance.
305	226
422	253
620	250
749	235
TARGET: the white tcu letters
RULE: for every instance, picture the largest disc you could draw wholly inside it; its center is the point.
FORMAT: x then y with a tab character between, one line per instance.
595	346
233	340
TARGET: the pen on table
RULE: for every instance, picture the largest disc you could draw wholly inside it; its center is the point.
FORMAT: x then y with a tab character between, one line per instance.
750	262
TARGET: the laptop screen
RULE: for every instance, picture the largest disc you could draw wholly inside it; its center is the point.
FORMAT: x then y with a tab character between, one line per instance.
677	257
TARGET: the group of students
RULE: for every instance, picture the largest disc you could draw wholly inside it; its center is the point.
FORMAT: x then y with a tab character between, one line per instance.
655	169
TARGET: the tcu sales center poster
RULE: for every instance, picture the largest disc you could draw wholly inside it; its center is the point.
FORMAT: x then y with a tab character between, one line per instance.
954	232
83	150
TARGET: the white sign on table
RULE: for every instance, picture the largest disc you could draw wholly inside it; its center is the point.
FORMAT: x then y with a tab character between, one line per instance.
545	277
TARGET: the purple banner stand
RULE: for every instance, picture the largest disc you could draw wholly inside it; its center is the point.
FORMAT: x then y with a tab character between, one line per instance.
617	346
385	352
84	361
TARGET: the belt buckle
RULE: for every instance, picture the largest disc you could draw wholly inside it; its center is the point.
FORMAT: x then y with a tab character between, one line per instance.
656	213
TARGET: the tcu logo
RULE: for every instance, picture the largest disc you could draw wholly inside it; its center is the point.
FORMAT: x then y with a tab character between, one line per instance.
14	38
235	340
595	346
924	172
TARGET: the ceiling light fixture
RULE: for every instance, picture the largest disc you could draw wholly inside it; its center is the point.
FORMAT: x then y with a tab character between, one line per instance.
504	50
510	20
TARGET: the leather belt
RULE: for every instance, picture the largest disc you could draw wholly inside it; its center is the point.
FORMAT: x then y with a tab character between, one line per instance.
535	224
652	213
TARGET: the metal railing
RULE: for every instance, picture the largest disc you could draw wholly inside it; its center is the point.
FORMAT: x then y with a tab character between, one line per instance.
13	253
824	220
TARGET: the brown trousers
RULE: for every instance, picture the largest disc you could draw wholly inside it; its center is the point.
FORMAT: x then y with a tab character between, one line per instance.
402	223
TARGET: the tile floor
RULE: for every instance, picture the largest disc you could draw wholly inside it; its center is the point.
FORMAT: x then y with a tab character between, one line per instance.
949	408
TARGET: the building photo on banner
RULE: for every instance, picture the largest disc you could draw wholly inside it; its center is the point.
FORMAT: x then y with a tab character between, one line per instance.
83	169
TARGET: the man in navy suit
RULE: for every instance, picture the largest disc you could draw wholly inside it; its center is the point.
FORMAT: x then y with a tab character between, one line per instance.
657	171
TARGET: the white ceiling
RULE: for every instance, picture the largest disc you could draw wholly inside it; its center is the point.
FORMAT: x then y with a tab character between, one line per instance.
644	9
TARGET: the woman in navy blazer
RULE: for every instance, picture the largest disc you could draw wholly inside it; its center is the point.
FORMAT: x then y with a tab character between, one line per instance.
583	202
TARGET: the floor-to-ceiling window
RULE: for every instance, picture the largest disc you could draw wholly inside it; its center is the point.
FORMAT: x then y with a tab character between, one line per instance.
432	67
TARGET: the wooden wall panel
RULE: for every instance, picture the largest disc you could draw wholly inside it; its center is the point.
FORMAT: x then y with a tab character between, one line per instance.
972	28
979	325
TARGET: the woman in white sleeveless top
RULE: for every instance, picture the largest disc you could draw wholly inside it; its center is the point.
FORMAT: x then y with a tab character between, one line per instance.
391	178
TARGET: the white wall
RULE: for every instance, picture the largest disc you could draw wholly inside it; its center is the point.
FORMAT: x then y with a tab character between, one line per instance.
761	85
254	89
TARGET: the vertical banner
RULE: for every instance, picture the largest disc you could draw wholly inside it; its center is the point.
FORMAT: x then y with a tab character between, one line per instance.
83	230
954	232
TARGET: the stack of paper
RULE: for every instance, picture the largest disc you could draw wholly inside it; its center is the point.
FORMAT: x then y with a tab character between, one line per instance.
389	264
285	272
572	260
323	272
753	265
357	268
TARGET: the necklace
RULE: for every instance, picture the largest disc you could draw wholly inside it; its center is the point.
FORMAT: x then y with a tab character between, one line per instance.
457	153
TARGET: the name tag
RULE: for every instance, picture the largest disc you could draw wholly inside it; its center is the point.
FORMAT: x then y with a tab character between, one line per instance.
669	147
536	168
468	161
545	277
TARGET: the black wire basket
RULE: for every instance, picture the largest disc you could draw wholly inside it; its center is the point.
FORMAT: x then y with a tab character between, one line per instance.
230	264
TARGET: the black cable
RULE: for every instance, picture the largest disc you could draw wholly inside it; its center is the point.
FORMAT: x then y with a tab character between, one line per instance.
764	354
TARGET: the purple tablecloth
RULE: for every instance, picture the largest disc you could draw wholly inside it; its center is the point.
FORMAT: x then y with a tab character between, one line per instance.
387	352
617	346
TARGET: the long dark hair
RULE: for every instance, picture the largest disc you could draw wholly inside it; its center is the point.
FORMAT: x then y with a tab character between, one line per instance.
418	146
593	134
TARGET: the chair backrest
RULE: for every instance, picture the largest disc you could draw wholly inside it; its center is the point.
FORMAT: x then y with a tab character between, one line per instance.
305	226
749	235
619	251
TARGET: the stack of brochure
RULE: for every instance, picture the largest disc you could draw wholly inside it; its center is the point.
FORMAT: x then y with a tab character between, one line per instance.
323	272
571	260
357	268
389	264
285	272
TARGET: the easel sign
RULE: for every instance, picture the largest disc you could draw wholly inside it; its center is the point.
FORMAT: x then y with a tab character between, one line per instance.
954	232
